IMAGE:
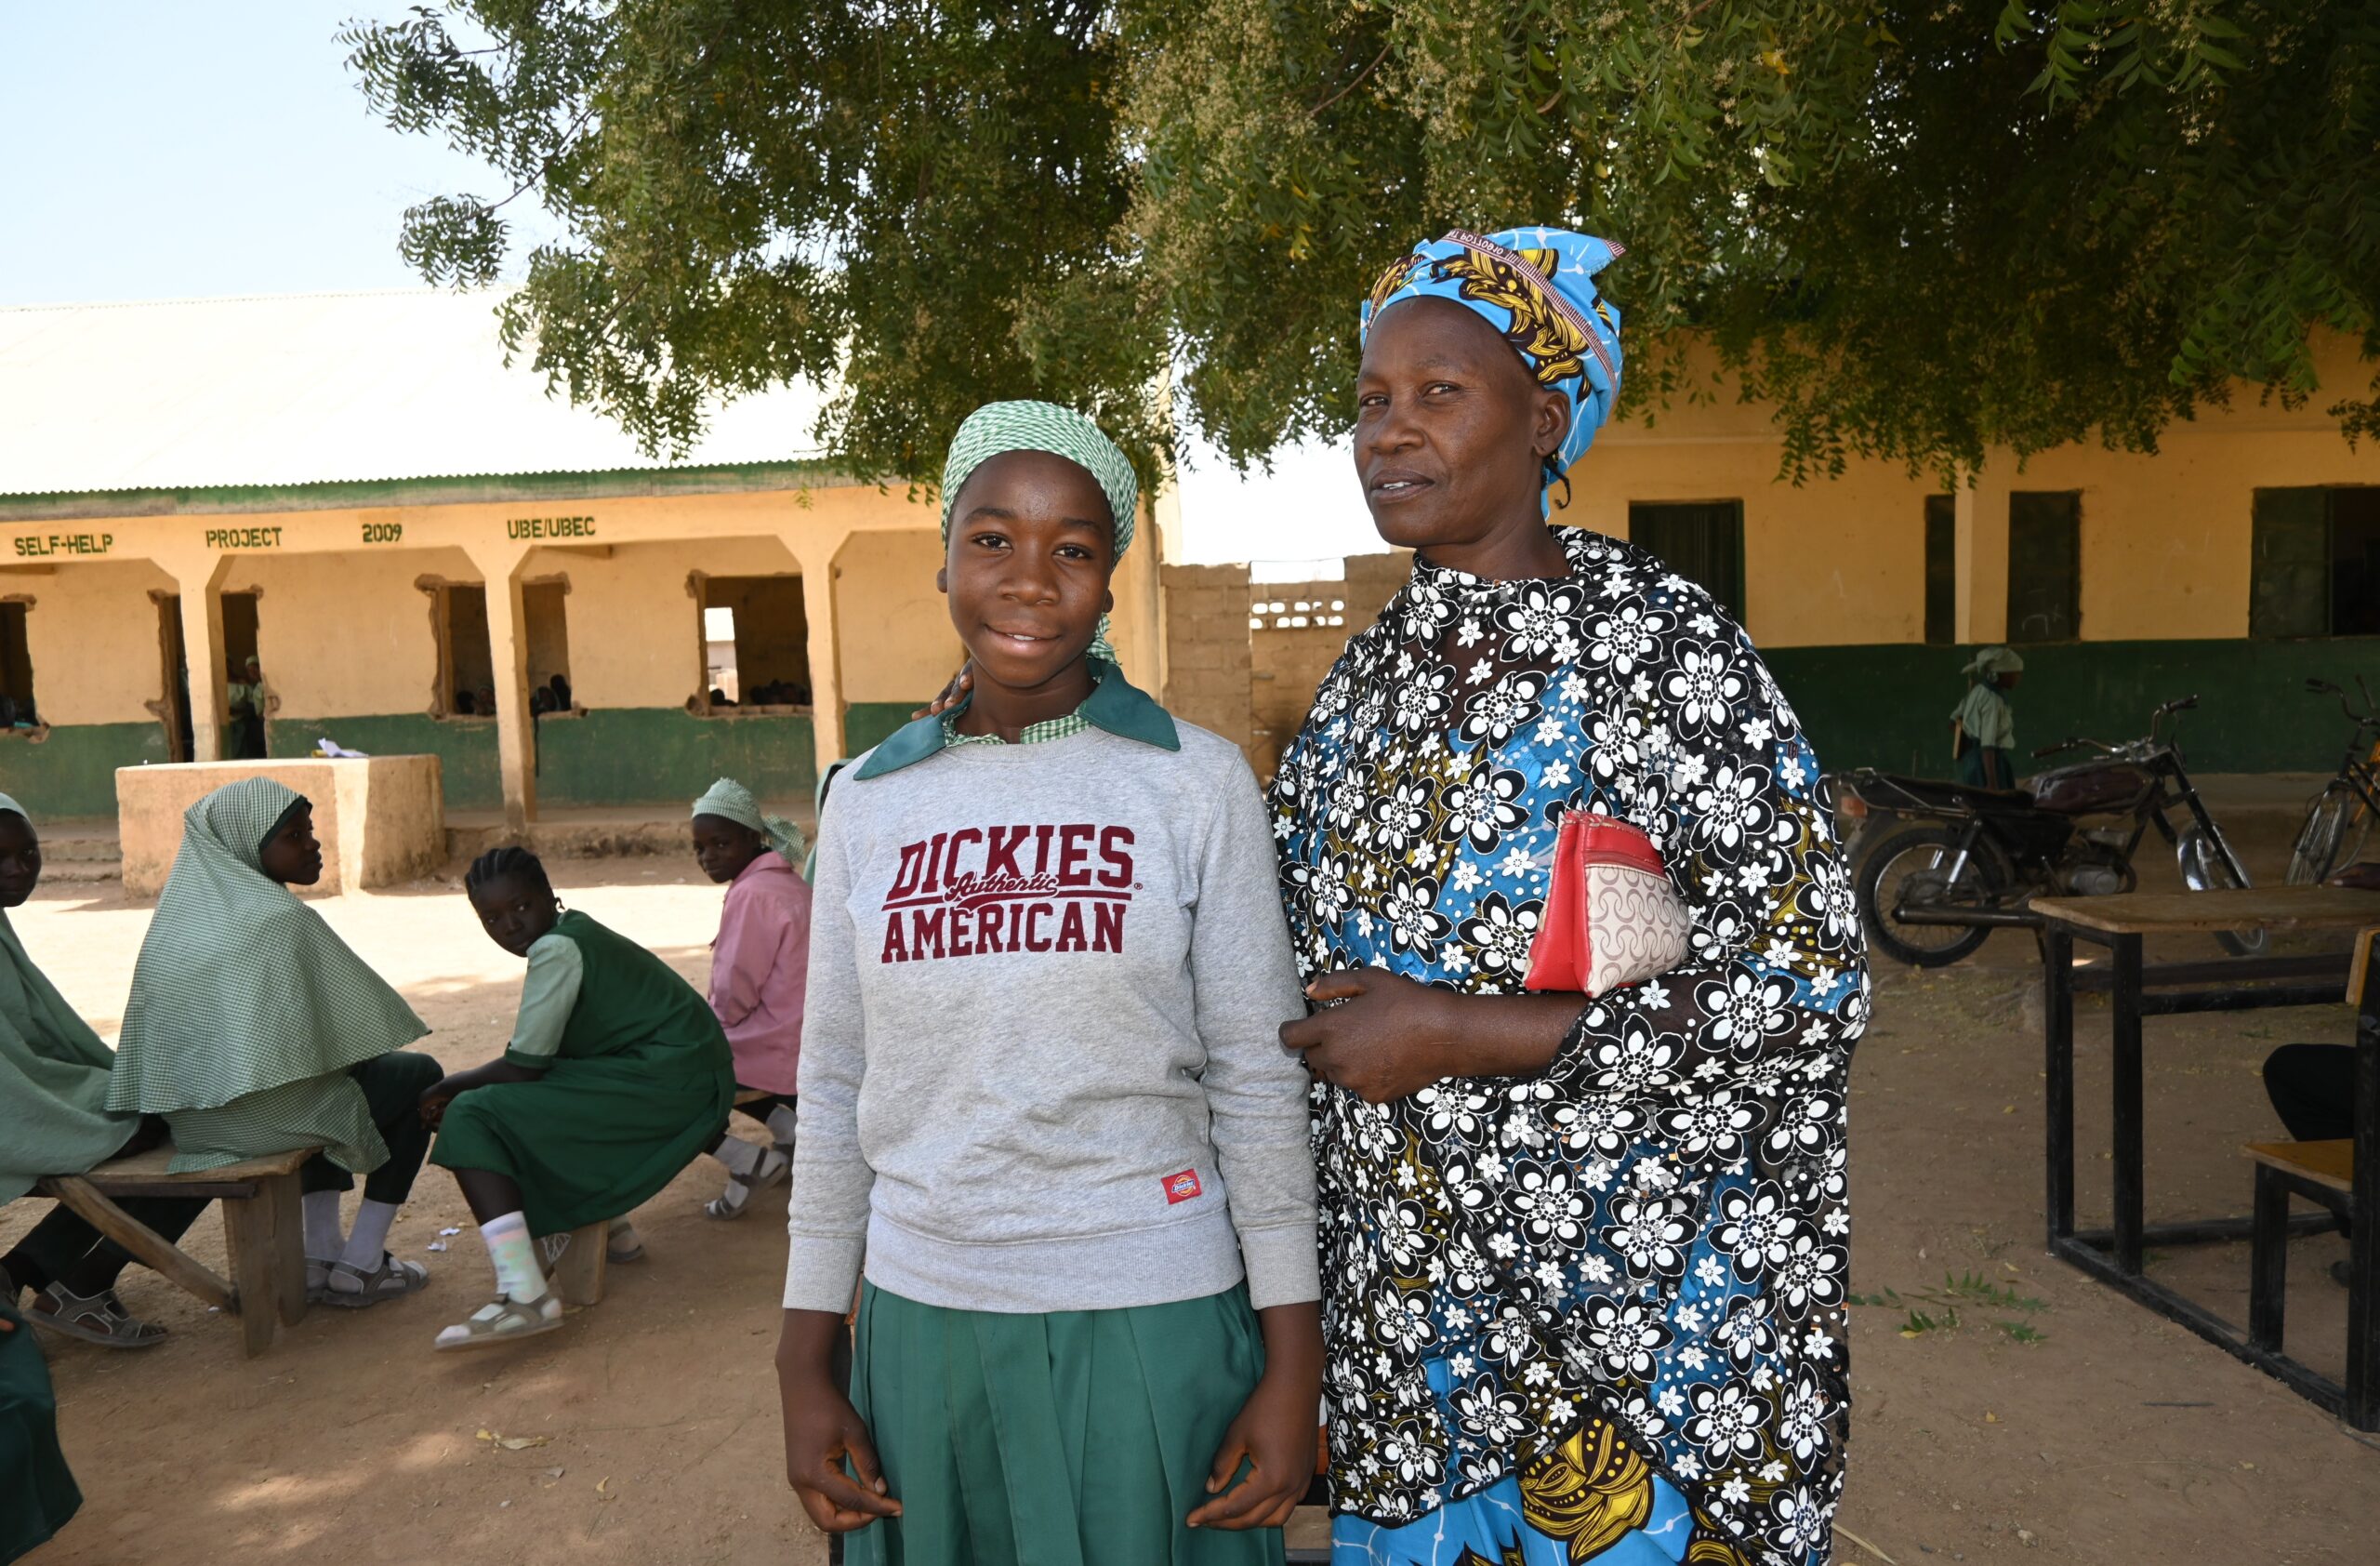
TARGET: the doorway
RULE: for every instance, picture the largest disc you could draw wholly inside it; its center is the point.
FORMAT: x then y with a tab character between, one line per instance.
173	677
243	706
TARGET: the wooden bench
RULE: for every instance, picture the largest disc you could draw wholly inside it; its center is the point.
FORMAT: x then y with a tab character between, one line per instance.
262	1230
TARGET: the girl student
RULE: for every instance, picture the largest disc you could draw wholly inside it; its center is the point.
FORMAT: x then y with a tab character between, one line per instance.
759	963
1042	1091
616	1076
253	1028
53	1120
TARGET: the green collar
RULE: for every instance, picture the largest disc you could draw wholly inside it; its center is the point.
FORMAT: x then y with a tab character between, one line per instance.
1114	704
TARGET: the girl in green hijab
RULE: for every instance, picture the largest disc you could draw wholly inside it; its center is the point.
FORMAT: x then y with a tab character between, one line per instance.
253	1028
54	1119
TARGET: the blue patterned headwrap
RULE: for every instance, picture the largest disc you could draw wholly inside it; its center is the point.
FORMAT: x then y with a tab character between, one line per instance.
1536	287
998	428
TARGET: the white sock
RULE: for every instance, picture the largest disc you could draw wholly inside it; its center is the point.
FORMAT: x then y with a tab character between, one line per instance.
320	1213
515	1255
781	1122
368	1242
740	1156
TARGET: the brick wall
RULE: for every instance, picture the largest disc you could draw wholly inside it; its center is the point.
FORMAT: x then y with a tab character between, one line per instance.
1207	649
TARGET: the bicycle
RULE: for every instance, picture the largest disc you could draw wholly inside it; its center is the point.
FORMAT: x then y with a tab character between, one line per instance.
2341	817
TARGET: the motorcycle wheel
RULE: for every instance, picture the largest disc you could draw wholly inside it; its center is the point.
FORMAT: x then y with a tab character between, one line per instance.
2323	842
1912	856
2206	867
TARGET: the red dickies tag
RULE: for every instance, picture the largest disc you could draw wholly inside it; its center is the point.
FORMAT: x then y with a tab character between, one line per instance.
1182	1187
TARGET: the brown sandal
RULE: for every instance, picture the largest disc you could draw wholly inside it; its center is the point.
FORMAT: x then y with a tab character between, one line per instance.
99	1318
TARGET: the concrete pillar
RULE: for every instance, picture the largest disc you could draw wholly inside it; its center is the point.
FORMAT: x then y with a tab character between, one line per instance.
1981	507
499	563
198	580
815	552
1136	625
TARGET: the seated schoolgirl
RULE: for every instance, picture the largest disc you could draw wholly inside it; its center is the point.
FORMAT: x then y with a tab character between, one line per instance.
53	1120
253	1028
756	967
1043	1092
616	1076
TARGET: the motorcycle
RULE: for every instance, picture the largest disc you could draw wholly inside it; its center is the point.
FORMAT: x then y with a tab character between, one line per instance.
1932	893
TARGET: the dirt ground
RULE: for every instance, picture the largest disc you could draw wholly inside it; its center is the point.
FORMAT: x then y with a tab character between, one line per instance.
2085	1429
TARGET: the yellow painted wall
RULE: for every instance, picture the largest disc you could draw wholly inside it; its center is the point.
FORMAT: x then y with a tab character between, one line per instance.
350	635
898	644
2166	538
92	635
638	632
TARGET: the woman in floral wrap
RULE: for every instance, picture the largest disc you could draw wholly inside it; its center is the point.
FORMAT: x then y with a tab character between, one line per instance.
1584	1259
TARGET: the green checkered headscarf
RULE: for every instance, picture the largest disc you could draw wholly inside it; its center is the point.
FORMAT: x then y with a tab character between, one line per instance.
53	1075
998	428
730	801
241	987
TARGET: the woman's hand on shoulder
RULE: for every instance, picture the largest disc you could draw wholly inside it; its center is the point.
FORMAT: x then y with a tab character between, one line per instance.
1380	1035
960	684
1274	1431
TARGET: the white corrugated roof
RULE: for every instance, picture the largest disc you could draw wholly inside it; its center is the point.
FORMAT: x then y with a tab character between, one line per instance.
310	389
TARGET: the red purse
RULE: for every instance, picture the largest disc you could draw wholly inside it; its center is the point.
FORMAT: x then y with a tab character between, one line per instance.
1612	916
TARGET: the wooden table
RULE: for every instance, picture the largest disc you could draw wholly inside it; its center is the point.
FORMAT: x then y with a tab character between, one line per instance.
2120	923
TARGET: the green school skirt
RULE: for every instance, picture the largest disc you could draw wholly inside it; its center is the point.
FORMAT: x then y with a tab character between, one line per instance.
1073	1438
36	1493
592	1138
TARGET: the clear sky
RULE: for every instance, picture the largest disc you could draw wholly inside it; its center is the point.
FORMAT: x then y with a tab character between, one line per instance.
162	149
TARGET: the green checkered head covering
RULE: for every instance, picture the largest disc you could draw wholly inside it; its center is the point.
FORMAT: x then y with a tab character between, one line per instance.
999	428
53	1075
240	988
730	801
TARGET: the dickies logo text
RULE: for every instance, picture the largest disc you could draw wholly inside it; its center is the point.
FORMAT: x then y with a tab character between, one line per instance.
978	891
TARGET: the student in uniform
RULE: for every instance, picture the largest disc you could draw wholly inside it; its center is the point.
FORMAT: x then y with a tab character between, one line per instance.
1042	1090
253	1028
759	962
54	1119
1983	731
616	1076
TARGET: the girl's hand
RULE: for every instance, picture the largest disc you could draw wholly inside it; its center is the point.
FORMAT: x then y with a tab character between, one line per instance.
822	1430
1275	1430
431	1104
960	684
1378	1035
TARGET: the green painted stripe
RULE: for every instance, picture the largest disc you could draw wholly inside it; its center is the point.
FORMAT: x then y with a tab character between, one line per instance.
69	773
866	723
669	756
1890	705
465	749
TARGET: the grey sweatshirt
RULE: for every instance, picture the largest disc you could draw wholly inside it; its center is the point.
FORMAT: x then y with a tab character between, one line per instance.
1040	1059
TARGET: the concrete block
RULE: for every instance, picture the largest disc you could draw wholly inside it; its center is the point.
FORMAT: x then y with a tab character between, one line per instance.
381	820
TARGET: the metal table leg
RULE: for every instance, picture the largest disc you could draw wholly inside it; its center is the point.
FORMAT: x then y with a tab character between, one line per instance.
2057	1029
2130	1156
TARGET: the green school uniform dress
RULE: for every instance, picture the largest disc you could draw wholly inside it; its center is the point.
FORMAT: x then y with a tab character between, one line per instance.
637	1081
37	1494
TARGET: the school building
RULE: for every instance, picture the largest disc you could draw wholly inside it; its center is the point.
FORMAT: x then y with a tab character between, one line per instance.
426	554
2241	559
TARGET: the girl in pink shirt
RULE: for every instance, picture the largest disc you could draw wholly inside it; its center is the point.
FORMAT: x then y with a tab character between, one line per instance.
759	966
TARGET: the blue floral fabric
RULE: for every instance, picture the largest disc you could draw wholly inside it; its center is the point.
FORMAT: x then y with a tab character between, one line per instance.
1643	1249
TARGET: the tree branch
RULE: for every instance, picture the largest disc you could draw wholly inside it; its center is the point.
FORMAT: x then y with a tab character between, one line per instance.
1354	84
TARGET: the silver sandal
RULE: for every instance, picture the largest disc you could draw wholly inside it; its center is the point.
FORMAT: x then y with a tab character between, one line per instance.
392	1280
774	1168
502	1321
99	1318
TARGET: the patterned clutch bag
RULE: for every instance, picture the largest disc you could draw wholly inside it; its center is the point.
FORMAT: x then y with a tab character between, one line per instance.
1612	916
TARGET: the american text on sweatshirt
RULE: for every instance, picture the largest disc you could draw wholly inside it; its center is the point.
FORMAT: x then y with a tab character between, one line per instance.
1022	887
